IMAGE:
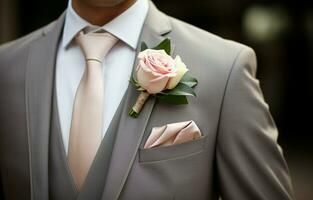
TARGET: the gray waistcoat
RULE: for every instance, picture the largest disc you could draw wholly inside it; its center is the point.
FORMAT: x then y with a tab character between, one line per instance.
61	183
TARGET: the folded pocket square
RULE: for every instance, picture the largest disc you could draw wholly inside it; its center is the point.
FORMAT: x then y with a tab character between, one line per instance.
175	133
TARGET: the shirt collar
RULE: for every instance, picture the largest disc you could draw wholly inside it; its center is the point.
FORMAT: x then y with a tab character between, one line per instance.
126	27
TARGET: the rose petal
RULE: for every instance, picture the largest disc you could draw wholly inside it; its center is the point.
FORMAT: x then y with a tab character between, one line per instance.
144	77
157	85
181	70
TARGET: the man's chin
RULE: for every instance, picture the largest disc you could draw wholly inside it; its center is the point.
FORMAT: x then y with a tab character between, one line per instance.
104	3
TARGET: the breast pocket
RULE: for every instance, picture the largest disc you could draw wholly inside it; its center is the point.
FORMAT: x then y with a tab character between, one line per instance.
171	152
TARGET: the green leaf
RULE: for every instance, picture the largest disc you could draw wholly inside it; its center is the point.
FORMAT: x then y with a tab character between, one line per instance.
164	45
189	80
175	100
134	82
144	46
180	90
133	113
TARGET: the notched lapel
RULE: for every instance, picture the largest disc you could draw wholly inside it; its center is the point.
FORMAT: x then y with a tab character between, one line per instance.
131	130
39	88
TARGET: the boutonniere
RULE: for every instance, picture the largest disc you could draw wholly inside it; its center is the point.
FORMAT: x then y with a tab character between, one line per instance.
158	74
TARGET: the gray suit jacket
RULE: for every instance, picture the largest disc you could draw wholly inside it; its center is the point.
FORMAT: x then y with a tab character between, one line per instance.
238	157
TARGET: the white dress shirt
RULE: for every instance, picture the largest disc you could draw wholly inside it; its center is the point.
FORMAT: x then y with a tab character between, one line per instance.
70	62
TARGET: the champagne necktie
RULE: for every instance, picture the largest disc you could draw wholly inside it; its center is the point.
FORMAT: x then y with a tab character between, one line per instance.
86	125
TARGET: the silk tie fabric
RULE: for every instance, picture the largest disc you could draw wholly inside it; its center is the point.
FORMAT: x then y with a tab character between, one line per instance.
86	125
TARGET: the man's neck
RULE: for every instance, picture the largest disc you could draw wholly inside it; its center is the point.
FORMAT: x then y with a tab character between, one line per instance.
100	15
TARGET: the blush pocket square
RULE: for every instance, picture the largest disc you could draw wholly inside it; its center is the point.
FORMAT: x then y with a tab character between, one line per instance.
175	133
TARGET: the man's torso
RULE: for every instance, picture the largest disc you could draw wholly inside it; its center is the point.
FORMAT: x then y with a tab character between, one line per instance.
186	171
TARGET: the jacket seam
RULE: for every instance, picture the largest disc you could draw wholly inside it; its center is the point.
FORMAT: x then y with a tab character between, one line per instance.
224	94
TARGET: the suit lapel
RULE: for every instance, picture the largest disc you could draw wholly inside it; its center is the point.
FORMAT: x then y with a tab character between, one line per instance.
130	131
39	88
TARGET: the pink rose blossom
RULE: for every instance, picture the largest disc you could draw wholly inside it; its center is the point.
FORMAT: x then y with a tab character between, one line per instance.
155	70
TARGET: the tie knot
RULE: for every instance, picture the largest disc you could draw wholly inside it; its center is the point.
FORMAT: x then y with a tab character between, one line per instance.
95	46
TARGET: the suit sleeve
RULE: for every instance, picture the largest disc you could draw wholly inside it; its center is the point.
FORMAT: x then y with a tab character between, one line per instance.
250	163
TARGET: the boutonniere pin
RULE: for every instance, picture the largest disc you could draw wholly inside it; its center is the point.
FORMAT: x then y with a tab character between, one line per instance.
162	76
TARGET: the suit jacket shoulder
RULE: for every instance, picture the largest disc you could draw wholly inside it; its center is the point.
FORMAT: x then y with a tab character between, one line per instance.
11	50
206	46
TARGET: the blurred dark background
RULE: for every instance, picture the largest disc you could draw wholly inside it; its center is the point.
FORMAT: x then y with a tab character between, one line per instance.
280	31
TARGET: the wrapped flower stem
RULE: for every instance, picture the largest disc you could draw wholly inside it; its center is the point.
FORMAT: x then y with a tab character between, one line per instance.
141	100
